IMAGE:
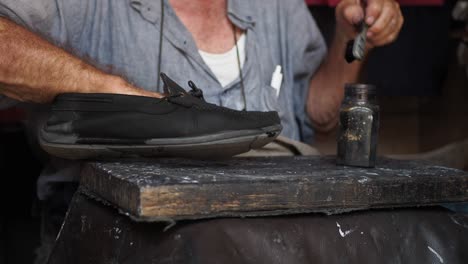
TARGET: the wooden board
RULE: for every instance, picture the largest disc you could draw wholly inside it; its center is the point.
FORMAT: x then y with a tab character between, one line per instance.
189	189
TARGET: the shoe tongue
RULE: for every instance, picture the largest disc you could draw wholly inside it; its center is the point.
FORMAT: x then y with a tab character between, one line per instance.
171	87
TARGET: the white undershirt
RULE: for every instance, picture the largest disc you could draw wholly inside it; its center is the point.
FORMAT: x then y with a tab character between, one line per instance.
224	65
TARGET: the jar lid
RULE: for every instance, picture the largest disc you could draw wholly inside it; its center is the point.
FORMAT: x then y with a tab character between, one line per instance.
360	88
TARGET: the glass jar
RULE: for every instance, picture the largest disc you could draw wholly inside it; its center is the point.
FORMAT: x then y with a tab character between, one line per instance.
358	126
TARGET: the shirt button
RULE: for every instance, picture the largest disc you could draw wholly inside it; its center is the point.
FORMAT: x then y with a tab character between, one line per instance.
249	18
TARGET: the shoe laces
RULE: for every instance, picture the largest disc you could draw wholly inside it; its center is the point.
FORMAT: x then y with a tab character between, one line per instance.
195	91
194	97
202	104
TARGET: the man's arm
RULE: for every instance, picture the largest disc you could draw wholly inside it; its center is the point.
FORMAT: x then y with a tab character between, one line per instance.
33	70
326	89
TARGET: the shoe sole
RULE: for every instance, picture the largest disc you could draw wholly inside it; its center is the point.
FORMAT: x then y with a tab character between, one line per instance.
219	145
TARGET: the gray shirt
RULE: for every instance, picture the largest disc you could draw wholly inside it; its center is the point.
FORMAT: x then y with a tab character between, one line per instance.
122	37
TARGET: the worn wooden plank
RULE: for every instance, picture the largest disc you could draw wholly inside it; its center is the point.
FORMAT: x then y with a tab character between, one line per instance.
188	189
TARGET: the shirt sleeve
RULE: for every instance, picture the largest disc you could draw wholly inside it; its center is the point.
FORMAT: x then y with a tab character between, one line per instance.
38	15
307	49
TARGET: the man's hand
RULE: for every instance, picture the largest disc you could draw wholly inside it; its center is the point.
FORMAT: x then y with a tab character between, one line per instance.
327	85
383	17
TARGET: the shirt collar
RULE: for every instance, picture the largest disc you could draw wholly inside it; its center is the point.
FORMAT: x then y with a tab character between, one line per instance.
149	10
239	11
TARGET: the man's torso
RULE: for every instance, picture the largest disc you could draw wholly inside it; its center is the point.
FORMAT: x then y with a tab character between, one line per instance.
122	37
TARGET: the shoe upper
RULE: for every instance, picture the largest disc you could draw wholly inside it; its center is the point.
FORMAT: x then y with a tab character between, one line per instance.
125	117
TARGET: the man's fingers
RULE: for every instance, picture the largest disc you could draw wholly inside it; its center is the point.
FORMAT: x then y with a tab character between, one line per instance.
348	14
382	35
353	14
386	27
383	17
373	11
387	16
389	34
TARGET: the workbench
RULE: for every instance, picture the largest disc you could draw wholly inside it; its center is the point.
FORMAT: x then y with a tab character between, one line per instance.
264	210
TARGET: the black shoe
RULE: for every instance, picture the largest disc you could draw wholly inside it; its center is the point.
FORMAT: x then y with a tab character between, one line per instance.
182	124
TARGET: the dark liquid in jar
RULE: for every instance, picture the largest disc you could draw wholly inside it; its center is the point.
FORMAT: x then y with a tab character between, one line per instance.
358	126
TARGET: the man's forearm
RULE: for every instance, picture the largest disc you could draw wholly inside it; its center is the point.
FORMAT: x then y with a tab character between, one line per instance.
326	89
32	69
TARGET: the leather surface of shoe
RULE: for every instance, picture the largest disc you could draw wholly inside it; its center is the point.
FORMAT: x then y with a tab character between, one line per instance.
183	124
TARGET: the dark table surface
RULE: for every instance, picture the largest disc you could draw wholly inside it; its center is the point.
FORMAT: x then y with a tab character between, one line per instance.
97	233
